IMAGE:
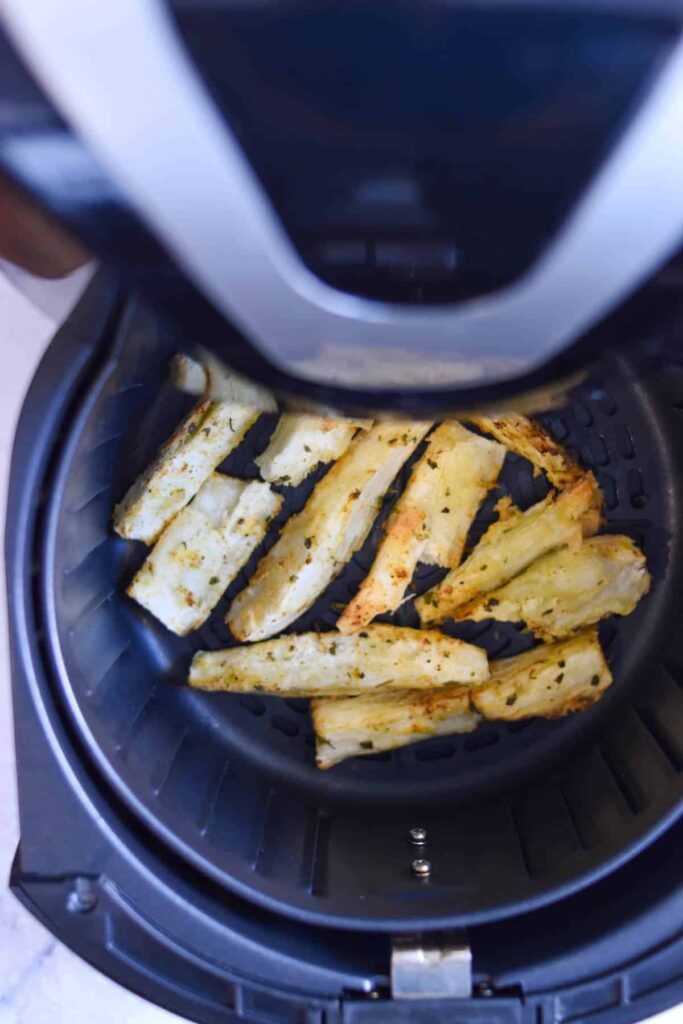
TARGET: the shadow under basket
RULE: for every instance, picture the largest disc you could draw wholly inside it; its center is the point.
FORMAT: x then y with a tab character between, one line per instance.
517	815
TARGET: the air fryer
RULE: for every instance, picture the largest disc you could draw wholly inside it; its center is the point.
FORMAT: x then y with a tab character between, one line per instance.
183	842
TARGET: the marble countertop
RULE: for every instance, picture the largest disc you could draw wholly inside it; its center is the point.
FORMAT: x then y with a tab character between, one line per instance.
42	982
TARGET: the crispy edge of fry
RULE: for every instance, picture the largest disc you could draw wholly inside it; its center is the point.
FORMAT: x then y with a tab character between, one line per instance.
529	438
519	686
359	726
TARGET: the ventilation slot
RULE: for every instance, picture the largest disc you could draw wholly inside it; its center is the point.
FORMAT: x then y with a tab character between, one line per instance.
298	704
480	739
621	781
161	773
93	497
675	670
315	859
583	414
599	810
637	495
435	751
284	725
624	441
546	830
662	727
111	665
212	787
254	705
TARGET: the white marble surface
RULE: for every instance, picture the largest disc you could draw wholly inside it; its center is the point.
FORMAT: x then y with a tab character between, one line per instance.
42	982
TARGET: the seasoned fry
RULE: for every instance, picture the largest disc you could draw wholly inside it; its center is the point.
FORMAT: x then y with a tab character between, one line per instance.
202	550
189	457
529	438
566	590
512	543
314	664
211	378
356	726
549	681
316	543
301	442
430	520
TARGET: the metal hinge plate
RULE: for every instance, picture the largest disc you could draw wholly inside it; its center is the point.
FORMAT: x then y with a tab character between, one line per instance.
437	966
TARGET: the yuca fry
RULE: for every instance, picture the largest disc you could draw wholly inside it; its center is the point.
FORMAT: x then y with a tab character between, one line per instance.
356	726
329	664
509	545
316	542
187	375
566	589
549	681
209	377
199	554
300	442
201	442
529	438
430	520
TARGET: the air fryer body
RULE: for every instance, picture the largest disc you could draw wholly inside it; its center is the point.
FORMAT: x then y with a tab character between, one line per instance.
203	863
417	207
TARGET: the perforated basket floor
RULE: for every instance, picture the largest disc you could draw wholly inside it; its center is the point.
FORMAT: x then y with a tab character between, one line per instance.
516	814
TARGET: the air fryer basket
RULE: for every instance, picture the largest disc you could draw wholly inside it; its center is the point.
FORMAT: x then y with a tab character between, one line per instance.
517	815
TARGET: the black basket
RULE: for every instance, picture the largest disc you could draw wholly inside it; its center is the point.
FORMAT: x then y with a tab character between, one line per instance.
142	819
518	815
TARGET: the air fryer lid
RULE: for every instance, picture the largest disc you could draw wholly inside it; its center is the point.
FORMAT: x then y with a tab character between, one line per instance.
424	206
516	815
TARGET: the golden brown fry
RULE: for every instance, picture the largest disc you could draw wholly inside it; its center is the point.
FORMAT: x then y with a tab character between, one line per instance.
329	664
549	681
529	438
356	726
430	520
316	543
566	589
301	442
512	543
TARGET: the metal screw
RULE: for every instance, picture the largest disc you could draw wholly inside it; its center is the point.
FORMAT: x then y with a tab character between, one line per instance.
418	836
422	868
82	897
